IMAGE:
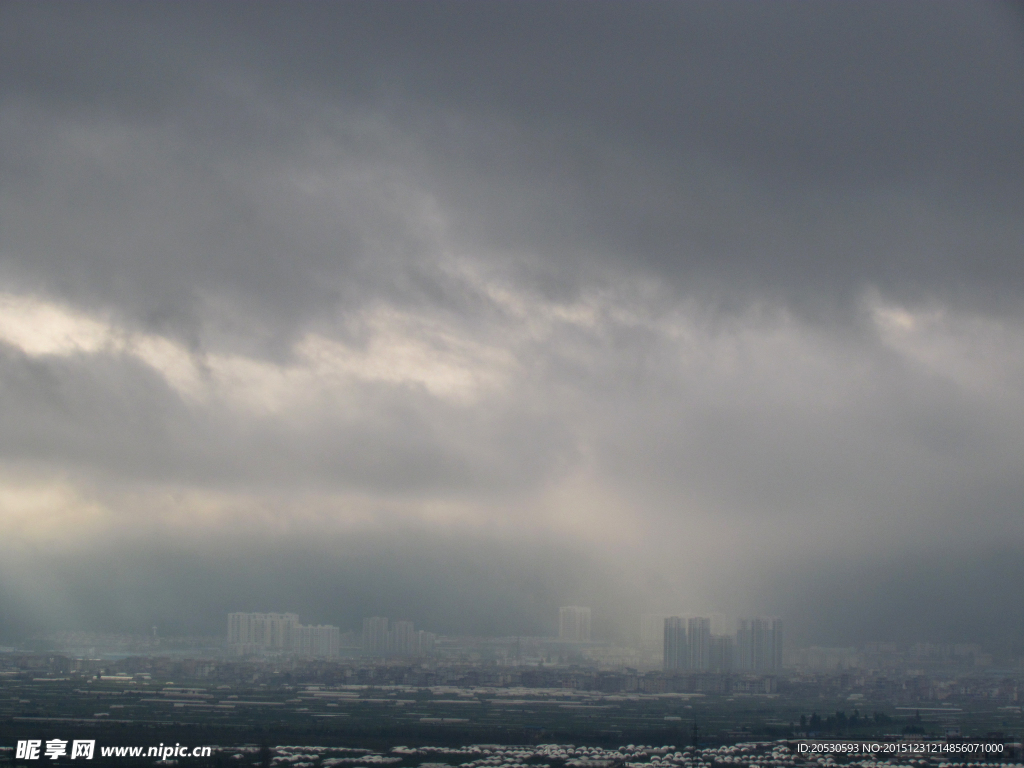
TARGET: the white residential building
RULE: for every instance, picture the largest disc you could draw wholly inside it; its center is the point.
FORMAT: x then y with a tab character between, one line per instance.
250	633
263	631
319	641
375	636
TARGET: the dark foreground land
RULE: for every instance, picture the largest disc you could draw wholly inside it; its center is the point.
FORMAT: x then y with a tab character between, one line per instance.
361	725
751	754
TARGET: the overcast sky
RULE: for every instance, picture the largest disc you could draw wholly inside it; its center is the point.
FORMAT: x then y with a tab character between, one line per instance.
462	311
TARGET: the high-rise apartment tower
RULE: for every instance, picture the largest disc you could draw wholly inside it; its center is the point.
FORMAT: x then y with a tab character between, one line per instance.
574	623
676	648
759	644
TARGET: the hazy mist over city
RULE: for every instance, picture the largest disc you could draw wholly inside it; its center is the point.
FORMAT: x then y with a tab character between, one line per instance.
459	312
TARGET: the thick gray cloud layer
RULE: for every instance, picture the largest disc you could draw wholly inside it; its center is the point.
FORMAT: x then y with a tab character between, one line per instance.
727	293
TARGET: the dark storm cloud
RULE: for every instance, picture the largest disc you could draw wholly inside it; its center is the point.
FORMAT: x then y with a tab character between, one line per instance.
809	150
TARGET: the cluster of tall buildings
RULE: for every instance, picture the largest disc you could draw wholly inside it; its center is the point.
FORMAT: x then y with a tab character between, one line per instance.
253	633
695	643
679	643
397	638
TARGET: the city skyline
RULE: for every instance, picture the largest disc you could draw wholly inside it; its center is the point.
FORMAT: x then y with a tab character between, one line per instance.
273	630
688	643
250	633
